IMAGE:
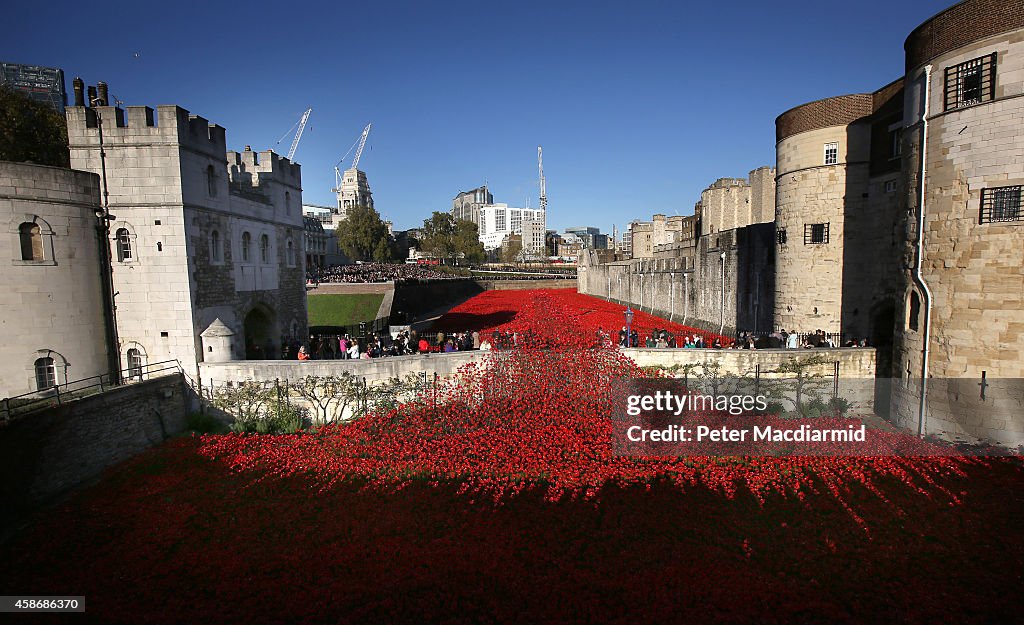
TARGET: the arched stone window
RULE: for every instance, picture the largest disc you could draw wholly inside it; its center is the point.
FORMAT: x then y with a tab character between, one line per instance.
215	247
287	203
246	246
123	240
264	249
134	357
290	256
211	181
31	241
46	373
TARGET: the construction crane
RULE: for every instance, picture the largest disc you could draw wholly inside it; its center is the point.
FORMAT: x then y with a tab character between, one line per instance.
301	124
543	183
361	143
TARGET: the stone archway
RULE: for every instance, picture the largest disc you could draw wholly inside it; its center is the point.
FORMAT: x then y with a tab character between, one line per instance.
262	336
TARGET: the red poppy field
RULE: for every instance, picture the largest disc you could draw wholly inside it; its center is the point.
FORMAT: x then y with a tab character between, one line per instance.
497	499
584	316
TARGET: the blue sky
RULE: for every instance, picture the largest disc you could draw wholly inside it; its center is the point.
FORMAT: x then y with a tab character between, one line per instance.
638	105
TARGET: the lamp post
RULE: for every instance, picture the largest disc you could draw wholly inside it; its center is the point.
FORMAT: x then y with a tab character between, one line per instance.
628	314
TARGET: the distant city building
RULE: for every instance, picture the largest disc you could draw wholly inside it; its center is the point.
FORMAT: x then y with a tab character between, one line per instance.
592	237
323	214
467	204
314	243
500	220
354	191
646	236
45	84
533	231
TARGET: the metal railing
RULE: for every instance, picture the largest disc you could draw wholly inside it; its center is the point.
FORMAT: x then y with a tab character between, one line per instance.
70	390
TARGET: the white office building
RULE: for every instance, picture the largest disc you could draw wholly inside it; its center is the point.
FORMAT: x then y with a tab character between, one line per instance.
497	221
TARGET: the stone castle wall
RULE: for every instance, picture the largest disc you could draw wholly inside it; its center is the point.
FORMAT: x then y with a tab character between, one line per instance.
843	283
972	269
179	194
689	289
49	452
51	307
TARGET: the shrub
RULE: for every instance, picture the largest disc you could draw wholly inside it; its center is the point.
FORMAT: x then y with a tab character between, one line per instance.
203	423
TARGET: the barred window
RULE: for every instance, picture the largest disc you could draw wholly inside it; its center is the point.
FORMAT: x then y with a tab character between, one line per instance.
815	234
831	153
1000	204
780	236
971	82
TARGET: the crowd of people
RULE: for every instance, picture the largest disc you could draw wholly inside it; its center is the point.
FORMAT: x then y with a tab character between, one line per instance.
408	342
377	272
795	340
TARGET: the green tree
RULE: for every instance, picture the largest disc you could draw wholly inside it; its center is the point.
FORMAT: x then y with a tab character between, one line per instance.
362	235
467	242
457	240
31	130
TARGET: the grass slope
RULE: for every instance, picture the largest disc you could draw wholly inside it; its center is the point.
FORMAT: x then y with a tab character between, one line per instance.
343	310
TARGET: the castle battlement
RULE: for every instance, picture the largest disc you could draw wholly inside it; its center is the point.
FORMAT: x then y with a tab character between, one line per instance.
249	168
171	123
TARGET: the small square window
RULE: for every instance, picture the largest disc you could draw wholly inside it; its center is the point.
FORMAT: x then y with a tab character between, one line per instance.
890	186
156	223
831	153
780	236
164	335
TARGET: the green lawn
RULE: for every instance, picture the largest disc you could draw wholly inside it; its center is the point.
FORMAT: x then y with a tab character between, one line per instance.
343	310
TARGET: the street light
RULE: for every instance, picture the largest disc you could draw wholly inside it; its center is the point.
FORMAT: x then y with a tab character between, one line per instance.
628	314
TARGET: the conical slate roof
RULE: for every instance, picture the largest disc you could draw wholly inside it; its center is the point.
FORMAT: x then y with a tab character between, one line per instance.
217	328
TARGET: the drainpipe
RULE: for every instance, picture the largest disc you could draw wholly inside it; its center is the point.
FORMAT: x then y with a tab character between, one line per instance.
722	328
686	297
672	295
918	278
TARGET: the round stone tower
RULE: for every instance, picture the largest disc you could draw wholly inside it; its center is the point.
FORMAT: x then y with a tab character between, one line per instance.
822	164
960	313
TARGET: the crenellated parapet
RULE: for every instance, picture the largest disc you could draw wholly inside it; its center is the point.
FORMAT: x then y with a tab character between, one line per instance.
141	125
255	170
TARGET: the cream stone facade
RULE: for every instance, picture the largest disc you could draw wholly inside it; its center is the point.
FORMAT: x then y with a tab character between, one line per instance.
960	324
731	203
354	191
199	233
836	215
51	314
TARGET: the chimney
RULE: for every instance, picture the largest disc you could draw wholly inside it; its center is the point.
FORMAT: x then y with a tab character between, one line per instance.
92	96
101	88
79	87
